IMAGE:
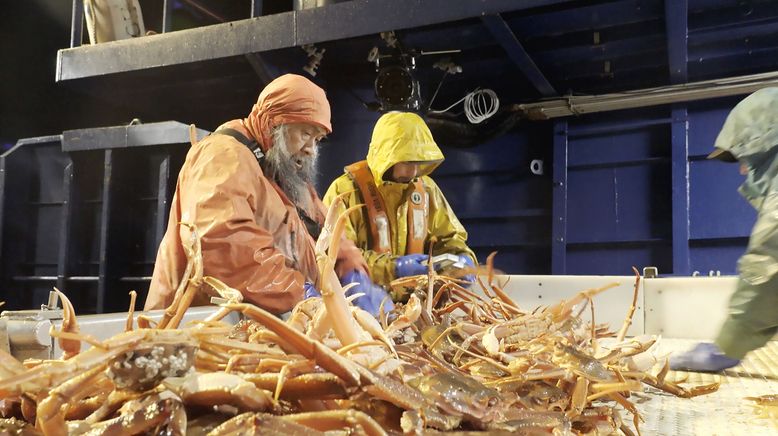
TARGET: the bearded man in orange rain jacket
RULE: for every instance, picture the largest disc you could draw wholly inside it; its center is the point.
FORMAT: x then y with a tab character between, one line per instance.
247	188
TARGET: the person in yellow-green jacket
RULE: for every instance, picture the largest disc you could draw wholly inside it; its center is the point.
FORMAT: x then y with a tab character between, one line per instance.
405	209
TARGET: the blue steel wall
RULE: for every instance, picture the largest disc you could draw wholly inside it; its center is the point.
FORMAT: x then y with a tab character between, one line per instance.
637	190
640	192
619	189
720	219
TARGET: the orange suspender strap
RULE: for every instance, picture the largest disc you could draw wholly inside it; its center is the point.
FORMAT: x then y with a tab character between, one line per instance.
377	219
418	210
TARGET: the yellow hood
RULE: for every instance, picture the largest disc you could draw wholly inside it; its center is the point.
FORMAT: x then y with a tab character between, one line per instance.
402	137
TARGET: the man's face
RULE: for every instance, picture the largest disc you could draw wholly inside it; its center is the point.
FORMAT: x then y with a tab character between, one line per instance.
404	172
292	160
301	141
743	169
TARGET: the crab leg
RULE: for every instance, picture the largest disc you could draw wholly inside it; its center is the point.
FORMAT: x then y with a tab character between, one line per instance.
628	320
69	347
329	222
9	365
154	412
50	418
321	385
331	292
193	284
337	419
262	423
128	325
189	250
578	400
324	357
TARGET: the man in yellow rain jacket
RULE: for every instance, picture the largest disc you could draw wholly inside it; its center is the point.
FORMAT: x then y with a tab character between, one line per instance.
405	210
247	190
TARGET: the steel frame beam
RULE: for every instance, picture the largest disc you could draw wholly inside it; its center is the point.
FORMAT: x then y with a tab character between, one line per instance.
588	53
163	206
581	18
616	126
559	199
167	16
77	23
134	135
289	29
65	230
256	8
679	158
507	39
677	28
733	32
105	270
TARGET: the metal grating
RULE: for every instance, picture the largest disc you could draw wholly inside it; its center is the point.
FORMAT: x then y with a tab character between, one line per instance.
725	412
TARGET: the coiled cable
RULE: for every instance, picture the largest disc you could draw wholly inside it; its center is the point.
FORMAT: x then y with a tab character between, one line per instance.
479	105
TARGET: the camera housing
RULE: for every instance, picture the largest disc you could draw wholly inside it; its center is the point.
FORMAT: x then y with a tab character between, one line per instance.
395	86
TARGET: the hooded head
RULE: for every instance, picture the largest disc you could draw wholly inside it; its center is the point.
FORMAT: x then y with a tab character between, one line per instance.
286	100
750	133
402	137
750	136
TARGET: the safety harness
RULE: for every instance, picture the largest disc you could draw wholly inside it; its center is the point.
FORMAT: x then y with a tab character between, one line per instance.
377	218
250	144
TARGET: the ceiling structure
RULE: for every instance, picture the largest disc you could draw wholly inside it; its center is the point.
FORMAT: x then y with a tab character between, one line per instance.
525	51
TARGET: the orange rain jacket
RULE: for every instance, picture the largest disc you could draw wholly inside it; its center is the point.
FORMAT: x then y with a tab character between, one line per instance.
252	236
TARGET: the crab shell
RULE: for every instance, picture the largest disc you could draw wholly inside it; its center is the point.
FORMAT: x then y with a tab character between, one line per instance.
219	388
143	368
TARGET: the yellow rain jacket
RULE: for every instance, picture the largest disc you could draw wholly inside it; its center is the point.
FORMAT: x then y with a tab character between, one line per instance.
401	137
253	238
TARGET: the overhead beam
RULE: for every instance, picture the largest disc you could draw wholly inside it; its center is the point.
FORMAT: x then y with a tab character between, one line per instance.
733	32
289	29
507	39
586	53
586	18
732	63
677	29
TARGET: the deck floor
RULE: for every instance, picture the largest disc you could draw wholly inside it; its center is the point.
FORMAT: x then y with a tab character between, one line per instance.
725	412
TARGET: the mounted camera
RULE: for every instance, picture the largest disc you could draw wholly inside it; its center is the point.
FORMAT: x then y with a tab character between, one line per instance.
395	86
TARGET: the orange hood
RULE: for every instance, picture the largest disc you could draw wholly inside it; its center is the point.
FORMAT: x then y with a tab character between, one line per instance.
287	99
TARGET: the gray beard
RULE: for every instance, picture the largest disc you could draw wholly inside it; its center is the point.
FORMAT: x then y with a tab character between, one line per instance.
280	166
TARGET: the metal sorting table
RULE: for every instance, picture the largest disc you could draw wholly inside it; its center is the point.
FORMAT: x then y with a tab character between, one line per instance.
724	412
663	310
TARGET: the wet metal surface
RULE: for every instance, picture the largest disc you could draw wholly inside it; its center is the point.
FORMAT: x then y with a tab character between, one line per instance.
725	412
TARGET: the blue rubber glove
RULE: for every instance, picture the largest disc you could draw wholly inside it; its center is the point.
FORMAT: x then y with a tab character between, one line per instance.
374	294
410	265
704	357
310	291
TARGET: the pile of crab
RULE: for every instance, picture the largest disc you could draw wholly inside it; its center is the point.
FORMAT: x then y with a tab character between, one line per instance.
451	358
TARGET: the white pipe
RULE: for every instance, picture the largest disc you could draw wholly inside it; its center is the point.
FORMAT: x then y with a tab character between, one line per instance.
578	105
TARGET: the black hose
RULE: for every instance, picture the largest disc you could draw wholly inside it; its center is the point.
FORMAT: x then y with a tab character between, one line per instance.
451	133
